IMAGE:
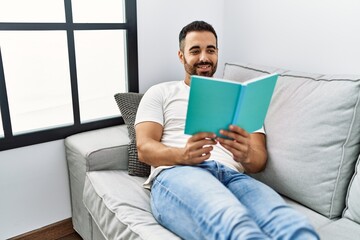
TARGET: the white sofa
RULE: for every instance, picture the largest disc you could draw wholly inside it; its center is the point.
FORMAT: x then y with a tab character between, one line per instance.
313	140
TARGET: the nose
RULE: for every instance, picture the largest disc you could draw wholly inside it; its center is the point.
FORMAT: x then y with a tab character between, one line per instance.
204	56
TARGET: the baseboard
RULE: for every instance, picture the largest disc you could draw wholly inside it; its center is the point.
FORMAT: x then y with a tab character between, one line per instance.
52	231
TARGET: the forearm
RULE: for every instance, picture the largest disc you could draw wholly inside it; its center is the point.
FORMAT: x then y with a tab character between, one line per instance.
155	153
150	148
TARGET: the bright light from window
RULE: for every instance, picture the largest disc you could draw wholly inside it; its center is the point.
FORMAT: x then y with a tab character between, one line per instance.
36	69
32	11
98	11
101	71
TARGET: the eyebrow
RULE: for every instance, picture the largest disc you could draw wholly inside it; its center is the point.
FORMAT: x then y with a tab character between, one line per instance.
196	47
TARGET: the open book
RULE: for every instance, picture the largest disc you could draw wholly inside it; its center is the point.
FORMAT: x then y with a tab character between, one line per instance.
214	104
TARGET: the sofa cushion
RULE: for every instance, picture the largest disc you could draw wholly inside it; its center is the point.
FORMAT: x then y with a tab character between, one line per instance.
312	127
317	220
100	149
352	210
128	104
343	229
120	206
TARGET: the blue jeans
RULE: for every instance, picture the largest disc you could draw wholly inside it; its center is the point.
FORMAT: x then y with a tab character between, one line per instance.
212	201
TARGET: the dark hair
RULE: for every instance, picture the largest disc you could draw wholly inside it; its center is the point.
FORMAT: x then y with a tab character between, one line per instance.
195	26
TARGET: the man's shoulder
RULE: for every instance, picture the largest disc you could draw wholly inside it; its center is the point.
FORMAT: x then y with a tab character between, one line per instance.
166	84
165	87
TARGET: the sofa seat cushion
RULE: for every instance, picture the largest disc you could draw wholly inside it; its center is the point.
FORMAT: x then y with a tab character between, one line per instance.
343	229
120	206
313	140
317	220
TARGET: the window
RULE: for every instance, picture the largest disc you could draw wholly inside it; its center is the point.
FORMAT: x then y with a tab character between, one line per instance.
107	55
39	95
61	62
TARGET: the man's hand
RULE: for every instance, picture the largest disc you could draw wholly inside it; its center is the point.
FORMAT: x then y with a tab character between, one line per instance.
153	152
247	149
238	144
198	148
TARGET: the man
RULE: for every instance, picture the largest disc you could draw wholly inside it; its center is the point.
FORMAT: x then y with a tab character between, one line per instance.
198	188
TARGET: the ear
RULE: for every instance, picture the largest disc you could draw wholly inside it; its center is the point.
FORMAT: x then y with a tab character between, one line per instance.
181	56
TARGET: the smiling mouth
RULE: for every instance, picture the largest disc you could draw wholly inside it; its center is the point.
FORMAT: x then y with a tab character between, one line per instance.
204	66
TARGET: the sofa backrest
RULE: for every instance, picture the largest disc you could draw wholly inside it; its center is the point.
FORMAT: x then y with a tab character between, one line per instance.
313	135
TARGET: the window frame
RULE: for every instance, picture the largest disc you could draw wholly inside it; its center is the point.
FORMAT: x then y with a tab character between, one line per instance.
10	141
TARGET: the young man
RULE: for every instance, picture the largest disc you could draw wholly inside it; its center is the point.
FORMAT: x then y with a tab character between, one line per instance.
198	188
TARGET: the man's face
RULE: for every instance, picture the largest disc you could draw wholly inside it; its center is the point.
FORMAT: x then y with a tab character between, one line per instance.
200	54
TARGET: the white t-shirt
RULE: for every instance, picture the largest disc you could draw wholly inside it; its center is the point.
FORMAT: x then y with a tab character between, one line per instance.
166	104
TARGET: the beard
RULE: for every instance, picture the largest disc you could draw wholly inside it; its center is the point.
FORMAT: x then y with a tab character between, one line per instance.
196	68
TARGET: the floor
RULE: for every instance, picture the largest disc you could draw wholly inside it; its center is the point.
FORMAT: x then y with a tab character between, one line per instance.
73	236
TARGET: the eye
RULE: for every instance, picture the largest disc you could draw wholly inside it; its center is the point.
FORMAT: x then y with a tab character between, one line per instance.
194	52
212	51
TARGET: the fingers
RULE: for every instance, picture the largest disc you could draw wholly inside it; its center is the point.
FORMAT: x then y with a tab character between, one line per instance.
198	147
200	155
240	152
202	135
235	132
237	142
200	142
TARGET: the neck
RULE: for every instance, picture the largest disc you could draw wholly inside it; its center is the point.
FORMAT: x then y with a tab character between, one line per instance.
187	80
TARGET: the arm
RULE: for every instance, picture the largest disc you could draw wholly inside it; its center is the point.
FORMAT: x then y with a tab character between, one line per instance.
151	151
247	149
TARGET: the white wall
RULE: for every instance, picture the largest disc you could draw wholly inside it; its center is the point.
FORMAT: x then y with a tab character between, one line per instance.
307	35
159	24
320	36
34	188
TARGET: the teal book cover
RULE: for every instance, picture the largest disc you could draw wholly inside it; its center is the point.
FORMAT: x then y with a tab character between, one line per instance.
214	104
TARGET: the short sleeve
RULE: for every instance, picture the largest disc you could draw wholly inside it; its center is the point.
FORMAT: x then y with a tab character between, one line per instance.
151	106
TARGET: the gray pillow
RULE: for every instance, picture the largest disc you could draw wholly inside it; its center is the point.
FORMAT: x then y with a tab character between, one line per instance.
128	104
313	139
352	210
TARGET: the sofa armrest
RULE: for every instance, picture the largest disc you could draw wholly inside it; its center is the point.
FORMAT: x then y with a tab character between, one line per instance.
102	149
